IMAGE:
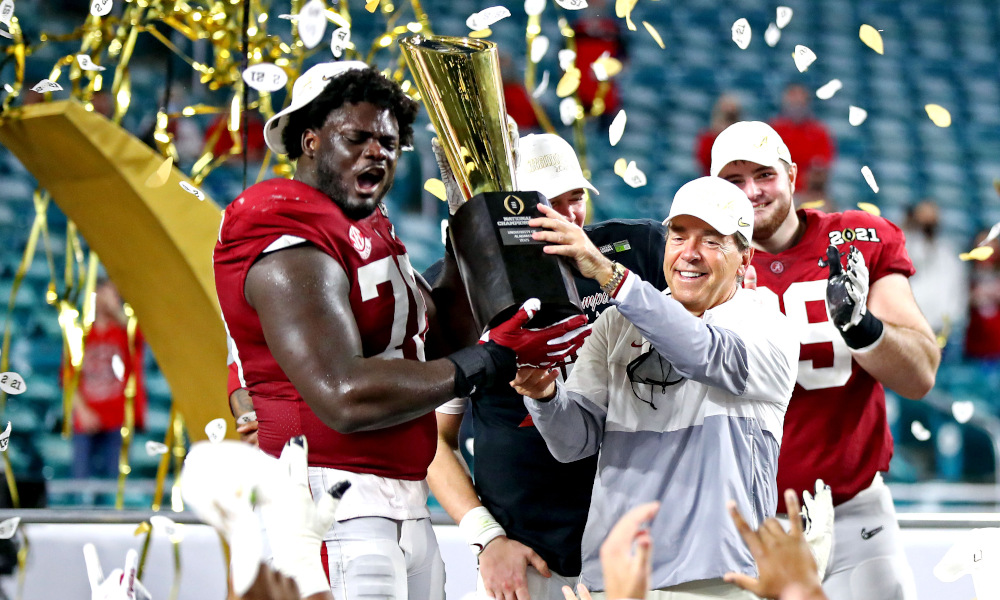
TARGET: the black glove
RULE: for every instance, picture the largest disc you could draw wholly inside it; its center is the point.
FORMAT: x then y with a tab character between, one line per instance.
847	299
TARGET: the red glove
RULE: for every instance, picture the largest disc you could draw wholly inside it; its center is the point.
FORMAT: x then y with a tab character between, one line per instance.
544	348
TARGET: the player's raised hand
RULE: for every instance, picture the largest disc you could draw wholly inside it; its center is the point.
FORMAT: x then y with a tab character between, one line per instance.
847	288
569	240
120	584
502	565
584	593
545	348
626	554
783	559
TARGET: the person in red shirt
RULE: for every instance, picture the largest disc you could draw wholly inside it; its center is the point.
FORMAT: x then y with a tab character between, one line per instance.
99	400
861	330
727	110
807	138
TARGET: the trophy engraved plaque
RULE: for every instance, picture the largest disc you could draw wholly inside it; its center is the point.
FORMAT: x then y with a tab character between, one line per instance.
500	264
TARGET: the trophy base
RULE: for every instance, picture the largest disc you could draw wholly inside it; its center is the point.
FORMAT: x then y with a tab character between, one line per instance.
502	266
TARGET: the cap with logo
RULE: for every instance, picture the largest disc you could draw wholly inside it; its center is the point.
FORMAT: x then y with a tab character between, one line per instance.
753	141
306	88
548	164
717	202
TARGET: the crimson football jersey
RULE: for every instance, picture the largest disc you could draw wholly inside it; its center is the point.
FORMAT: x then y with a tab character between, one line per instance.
387	306
835	427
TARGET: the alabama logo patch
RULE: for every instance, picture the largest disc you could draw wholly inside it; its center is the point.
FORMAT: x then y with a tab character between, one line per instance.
362	244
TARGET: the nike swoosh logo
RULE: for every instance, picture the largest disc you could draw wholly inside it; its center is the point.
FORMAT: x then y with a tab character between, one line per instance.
634	345
741	223
865	534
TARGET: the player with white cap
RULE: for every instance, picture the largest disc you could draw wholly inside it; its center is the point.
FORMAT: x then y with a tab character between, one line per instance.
524	516
681	395
871	334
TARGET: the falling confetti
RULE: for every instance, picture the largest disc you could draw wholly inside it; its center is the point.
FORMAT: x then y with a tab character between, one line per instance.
187	187
980	253
371	5
812	204
312	23
539	46
44	86
654	34
870	208
154	448
803	57
12	383
569	109
620	165
481	34
533	8
5	438
6	11
265	77
992	235
542	86
436	188
9	527
339	41
166	525
606	66
566	59
939	115
829	89
919	431
783	16
158	178
962	410
623	9
869	177
872	38
772	35
617	128
634	176
216	430
572	4
118	367
856	115
486	17
742	33
99	8
87	64
569	82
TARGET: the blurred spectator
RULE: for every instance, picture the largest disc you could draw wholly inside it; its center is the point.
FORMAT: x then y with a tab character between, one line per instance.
941	284
597	31
99	400
516	96
727	110
807	138
982	340
255	136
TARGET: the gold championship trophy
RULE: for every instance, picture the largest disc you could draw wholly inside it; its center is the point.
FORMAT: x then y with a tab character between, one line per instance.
501	266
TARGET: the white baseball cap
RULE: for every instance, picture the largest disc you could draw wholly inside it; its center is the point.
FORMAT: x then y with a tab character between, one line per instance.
548	164
753	141
717	202
306	88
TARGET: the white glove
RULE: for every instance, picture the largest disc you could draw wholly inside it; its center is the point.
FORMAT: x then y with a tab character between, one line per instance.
817	511
847	288
121	584
295	524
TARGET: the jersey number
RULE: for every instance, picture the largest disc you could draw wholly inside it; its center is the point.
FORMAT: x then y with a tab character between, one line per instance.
402	283
795	299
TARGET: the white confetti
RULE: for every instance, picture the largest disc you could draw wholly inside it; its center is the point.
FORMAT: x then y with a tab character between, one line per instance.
486	17
312	23
617	128
803	58
99	8
289	17
339	41
828	89
784	15
992	235
962	410
45	86
542	86
568	111
118	367
534	8
742	33
856	115
187	187
5	438
572	4
9	37
265	77
919	431
154	448
869	177
87	64
772	35
634	176
566	59
167	526
539	46
9	527
12	383
6	11
216	430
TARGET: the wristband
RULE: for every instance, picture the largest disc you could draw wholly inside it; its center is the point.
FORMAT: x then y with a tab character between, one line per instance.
245	418
479	528
865	335
480	366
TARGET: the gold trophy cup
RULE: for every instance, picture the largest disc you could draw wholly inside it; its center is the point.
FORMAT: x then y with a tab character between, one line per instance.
501	266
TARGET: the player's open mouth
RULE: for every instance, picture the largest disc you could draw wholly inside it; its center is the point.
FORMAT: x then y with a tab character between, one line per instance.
369	179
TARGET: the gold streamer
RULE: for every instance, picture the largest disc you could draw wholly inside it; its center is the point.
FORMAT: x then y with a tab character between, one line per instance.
161	469
146	528
128	427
